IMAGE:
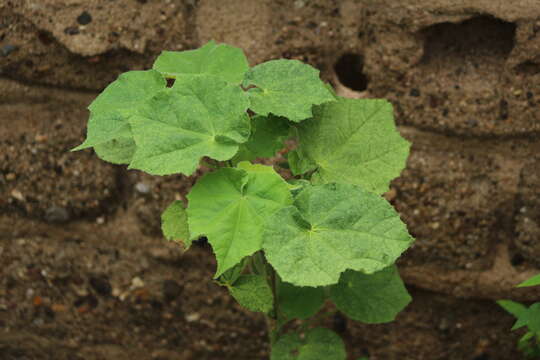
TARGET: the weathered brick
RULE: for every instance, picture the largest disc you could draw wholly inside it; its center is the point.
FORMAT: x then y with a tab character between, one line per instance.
39	177
527	239
459	68
454	199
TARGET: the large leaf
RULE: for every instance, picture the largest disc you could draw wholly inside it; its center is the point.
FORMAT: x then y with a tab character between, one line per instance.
174	223
533	281
110	111
267	136
372	299
230	206
299	302
318	344
224	61
332	228
200	116
352	141
253	293
286	88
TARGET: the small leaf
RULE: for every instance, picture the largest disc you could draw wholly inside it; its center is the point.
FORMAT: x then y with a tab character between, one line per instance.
299	163
534	281
332	228
319	343
174	223
516	309
267	136
110	111
200	116
230	206
533	318
224	61
372	299
296	302
352	141
253	293
287	88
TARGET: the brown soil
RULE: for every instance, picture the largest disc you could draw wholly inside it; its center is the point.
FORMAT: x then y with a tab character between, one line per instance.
84	271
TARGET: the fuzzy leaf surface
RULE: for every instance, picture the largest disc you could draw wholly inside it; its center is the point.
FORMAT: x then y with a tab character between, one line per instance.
230	206
332	228
221	60
297	302
110	111
197	117
174	223
319	343
267	136
533	281
372	299
253	293
116	151
287	88
353	141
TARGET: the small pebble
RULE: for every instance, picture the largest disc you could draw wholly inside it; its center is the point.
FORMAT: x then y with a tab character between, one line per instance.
7	49
192	317
136	283
71	30
142	188
56	214
85	18
16	194
10	177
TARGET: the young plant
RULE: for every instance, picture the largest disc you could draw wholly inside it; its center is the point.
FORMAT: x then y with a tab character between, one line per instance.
529	343
283	248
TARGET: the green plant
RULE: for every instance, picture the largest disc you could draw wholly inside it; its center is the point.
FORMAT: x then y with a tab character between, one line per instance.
529	343
282	247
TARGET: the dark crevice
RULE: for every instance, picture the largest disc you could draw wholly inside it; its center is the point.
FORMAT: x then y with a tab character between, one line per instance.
349	70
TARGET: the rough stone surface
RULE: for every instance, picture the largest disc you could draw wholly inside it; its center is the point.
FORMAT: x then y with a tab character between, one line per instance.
527	240
84	271
39	176
468	70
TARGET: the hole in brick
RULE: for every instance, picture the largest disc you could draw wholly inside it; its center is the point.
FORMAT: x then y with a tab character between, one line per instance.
517	260
472	53
349	69
528	68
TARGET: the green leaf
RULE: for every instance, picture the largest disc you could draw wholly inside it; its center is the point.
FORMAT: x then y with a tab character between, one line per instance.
296	302
534	281
353	141
319	343
332	228
230	206
110	111
516	309
200	116
300	164
224	61
372	299
513	307
533	318
297	185
287	88
174	223
116	151
267	136
253	293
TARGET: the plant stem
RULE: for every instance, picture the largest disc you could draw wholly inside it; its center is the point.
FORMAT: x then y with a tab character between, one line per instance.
272	323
